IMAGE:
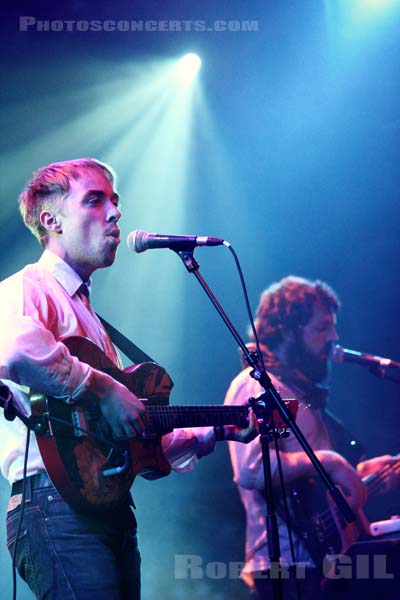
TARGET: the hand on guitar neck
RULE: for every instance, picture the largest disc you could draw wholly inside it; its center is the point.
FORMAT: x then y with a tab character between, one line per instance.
244	435
382	472
127	416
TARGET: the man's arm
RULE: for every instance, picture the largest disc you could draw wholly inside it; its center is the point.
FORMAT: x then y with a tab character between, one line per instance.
249	474
297	464
248	470
31	356
183	447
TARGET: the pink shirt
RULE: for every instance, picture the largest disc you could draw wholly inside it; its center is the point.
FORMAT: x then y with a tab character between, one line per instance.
40	307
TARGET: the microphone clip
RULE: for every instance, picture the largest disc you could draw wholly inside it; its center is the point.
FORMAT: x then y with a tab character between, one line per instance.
7	402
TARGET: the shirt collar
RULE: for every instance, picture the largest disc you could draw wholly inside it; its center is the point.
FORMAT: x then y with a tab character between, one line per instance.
63	272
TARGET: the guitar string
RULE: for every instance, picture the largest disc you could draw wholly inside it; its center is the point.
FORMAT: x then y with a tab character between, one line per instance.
375	482
236	411
83	430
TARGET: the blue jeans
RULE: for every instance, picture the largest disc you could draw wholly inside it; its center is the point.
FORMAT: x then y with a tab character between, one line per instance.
67	555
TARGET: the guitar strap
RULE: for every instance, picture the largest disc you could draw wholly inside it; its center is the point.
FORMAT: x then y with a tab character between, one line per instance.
133	352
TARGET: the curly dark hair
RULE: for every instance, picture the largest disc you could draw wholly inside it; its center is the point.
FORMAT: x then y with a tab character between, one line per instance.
288	304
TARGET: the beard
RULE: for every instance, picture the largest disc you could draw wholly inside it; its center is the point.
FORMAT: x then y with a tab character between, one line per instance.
314	368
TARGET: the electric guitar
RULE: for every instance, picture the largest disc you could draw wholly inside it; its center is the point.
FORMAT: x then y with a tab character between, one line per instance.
93	471
317	520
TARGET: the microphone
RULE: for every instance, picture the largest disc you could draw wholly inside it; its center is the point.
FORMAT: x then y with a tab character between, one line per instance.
140	241
383	367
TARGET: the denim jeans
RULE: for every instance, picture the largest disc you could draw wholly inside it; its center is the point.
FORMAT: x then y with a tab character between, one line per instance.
66	555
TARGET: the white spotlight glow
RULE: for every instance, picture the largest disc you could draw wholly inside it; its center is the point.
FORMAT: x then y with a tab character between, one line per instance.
188	66
375	3
372	7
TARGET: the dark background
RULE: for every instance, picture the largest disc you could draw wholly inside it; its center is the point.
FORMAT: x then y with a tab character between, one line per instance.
292	154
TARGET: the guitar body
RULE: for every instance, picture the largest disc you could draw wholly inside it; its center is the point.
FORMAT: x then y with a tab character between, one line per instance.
89	473
318	523
93	471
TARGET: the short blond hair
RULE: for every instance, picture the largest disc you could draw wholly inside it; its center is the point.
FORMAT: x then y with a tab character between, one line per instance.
49	186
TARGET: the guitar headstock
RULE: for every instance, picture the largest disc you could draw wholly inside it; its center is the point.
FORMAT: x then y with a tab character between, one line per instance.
274	419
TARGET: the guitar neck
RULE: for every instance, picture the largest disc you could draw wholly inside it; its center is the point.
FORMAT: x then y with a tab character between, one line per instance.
172	417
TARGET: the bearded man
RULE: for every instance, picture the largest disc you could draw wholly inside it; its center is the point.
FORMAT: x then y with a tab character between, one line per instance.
296	326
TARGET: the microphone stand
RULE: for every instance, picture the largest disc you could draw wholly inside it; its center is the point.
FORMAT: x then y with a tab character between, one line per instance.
263	408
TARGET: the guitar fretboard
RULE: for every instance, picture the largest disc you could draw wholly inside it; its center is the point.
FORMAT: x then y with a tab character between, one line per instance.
170	417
